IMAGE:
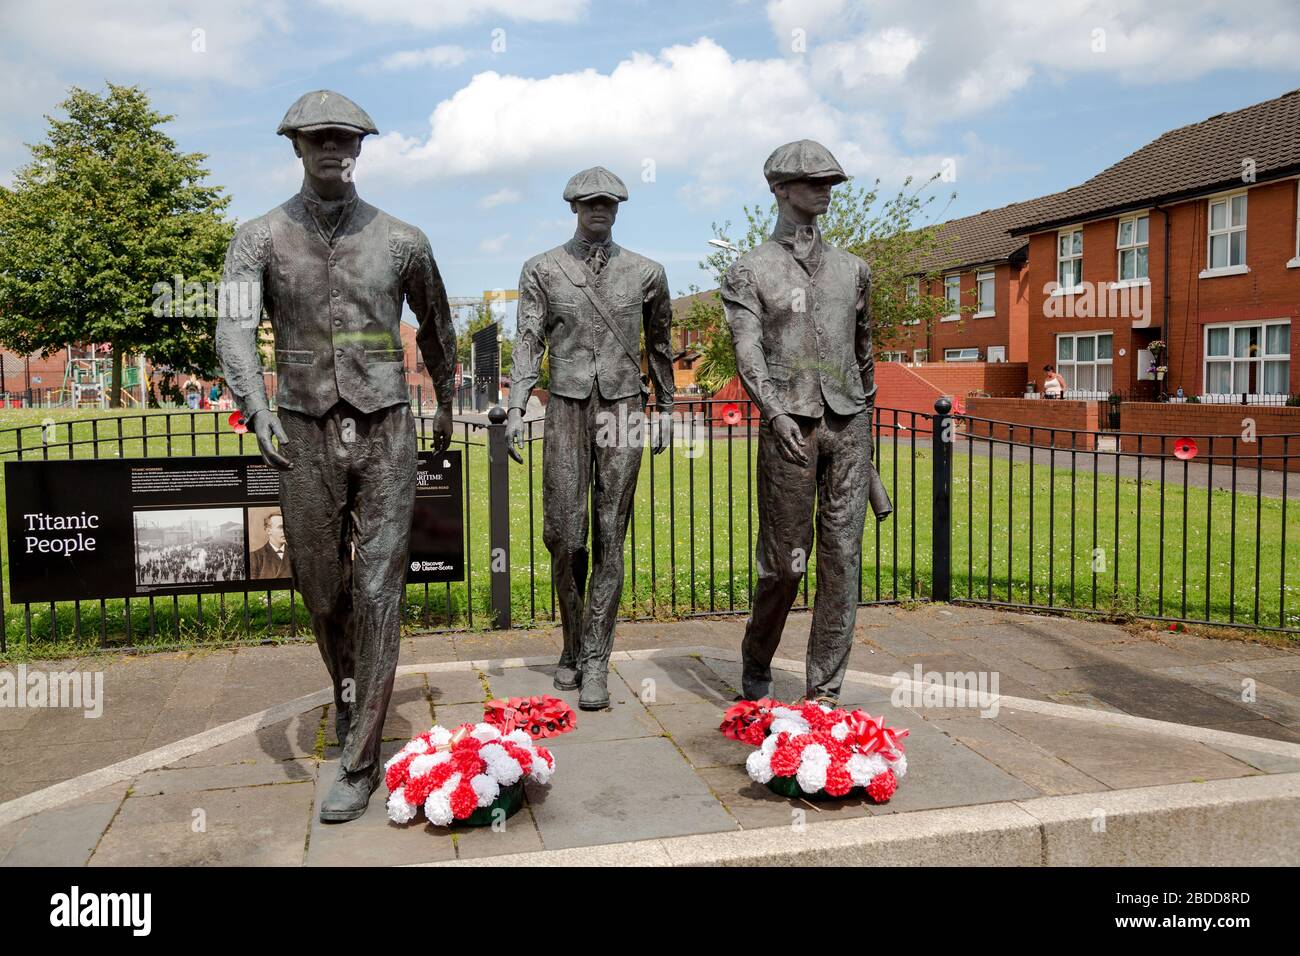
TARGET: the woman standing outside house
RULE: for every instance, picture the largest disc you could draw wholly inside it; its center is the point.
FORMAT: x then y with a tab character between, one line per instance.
1053	384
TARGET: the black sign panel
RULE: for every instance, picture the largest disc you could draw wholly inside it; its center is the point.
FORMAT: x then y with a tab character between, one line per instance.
83	530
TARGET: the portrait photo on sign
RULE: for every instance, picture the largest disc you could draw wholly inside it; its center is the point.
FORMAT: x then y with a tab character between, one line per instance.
189	546
268	556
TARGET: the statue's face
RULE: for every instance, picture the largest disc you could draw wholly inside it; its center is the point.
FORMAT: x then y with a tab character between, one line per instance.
596	215
328	154
812	197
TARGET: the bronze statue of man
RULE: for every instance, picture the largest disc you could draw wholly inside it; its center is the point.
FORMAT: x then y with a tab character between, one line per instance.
589	300
332	272
800	316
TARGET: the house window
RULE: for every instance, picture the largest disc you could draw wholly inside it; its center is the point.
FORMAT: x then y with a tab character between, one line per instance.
997	353
1132	245
952	294
1228	232
961	355
893	356
984	287
920	355
1069	259
1084	361
1248	358
913	299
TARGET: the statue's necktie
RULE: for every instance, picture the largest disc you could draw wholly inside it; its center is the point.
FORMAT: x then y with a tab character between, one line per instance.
597	257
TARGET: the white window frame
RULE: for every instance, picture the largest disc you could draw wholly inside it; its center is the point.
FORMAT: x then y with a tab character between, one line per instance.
961	355
1132	246
1229	229
917	358
982	276
1232	360
1071	257
1072	379
892	355
1001	350
952	316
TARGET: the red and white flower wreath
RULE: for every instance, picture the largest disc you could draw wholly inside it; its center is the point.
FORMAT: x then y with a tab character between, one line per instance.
824	749
453	773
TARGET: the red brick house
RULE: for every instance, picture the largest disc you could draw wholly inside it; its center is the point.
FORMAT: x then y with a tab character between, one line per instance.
982	271
1192	241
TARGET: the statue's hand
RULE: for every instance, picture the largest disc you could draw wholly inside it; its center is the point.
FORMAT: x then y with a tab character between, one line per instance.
515	434
266	426
442	428
664	433
789	440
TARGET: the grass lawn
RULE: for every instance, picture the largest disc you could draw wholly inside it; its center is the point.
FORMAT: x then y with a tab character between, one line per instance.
689	543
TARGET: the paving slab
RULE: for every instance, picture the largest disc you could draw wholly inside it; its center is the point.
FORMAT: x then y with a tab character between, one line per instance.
943	772
614	790
693	727
1043	771
1145	693
456	687
1122	758
674	680
65	836
247	826
753	805
373	839
410	711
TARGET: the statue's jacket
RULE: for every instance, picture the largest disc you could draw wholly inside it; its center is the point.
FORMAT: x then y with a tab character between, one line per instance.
585	353
802	341
335	308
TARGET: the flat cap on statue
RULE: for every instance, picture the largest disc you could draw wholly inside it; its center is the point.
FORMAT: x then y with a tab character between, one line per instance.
802	159
321	109
597	181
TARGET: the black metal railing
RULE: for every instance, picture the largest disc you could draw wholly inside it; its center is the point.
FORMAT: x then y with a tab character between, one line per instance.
1193	528
995	513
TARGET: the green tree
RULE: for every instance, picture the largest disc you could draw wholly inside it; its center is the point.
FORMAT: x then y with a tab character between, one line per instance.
887	233
98	224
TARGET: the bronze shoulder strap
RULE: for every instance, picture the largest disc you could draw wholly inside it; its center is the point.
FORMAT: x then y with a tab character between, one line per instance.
580	281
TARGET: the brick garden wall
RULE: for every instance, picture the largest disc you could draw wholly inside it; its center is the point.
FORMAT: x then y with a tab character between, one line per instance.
1079	421
1200	421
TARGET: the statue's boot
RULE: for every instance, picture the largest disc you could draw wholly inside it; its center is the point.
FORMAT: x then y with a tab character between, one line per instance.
595	686
350	795
567	676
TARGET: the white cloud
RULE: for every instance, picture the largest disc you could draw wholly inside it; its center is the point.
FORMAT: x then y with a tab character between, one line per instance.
502	197
693	111
494	245
442	14
175	39
438	57
960	60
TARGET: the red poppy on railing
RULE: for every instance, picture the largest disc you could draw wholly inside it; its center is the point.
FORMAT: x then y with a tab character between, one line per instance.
731	413
237	423
1185	448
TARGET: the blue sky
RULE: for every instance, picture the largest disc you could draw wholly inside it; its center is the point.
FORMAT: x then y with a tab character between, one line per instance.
486	107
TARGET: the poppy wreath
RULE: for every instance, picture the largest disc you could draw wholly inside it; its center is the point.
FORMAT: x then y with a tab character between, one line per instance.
454	774
539	717
812	750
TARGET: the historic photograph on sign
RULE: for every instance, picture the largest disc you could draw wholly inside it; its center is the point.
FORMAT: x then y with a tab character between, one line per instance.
268	558
189	546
